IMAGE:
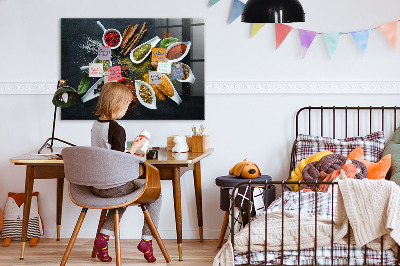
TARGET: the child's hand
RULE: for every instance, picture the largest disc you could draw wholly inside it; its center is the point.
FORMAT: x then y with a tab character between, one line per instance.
137	144
142	155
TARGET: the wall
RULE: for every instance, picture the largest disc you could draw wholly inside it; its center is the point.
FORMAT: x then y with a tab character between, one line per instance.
256	125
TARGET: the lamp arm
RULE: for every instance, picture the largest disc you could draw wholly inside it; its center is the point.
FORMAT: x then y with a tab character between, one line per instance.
54	126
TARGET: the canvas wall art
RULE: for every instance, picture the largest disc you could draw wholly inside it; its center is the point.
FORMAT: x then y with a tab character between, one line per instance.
160	60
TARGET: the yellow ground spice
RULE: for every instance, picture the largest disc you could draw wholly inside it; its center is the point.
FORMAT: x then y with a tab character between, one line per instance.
158	94
166	87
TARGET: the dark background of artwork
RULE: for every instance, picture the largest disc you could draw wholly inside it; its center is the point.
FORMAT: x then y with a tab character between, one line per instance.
74	33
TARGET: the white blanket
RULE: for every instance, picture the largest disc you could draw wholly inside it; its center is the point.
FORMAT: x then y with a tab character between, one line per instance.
371	206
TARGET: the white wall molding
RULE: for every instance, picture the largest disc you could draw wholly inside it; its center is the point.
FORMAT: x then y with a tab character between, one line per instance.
28	88
248	87
303	87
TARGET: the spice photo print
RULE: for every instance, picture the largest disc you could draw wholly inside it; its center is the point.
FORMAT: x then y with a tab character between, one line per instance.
157	60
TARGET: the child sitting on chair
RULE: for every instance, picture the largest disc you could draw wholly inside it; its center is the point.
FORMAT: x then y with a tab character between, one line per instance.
106	133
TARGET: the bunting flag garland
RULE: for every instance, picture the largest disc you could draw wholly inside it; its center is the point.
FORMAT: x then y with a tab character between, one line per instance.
361	38
332	41
306	39
389	30
281	31
255	28
237	8
213	2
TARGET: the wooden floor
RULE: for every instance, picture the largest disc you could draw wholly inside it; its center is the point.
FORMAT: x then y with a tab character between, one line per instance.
50	252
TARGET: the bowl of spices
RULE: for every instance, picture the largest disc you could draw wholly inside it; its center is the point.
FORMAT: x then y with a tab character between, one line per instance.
138	54
168	89
145	94
177	51
111	37
188	74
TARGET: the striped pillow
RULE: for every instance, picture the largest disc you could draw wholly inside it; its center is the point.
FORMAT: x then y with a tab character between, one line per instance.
372	145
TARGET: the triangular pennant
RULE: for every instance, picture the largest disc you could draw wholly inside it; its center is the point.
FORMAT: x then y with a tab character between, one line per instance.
213	2
281	31
255	28
361	37
389	30
306	39
332	41
237	9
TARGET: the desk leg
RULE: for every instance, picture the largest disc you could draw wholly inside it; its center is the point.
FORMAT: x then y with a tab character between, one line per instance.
60	190
197	189
27	206
176	182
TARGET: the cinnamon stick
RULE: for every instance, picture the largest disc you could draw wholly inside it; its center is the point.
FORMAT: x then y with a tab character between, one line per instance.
139	38
135	41
130	31
123	35
127	48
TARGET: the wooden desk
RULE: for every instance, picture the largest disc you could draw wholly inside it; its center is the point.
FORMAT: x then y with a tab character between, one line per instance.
169	165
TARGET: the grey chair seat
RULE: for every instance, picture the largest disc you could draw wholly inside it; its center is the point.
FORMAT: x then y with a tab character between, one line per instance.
83	196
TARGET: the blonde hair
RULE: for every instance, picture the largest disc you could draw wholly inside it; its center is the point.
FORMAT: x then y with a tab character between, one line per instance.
113	98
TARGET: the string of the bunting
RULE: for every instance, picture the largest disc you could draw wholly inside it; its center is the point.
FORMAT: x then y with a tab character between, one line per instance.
361	37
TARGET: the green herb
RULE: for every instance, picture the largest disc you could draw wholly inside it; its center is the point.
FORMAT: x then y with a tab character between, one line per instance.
141	52
84	85
167	42
106	64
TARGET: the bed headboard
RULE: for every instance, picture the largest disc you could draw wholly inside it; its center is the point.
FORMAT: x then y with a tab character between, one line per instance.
344	121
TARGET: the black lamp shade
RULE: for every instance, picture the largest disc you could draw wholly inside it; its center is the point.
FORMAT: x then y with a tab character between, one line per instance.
273	11
72	98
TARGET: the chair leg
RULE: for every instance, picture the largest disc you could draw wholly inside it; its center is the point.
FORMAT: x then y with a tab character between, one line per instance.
223	229
101	222
117	239
73	237
154	230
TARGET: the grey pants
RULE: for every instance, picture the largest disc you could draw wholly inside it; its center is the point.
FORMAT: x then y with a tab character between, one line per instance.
154	208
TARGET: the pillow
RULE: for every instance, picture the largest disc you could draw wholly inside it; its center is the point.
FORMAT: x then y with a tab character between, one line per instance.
393	148
372	144
329	164
296	174
375	170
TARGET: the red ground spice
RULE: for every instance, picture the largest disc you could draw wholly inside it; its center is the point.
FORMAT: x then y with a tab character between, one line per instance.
176	51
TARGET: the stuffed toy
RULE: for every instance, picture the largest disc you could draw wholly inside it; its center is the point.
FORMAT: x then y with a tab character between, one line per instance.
245	169
296	174
375	170
180	144
13	215
328	164
348	170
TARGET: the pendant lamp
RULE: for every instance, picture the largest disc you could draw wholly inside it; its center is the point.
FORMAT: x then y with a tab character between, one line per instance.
273	11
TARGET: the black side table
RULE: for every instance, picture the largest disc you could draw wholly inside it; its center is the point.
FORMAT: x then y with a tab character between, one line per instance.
226	183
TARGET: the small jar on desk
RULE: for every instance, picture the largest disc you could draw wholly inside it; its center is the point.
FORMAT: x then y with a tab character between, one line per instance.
228	182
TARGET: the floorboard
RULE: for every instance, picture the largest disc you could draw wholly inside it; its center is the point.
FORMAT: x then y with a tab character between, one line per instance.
50	252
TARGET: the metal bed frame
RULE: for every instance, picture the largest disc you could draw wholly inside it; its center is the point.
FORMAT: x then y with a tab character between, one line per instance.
283	184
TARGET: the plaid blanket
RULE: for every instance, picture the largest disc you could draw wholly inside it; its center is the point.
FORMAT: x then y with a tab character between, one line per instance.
323	205
324	257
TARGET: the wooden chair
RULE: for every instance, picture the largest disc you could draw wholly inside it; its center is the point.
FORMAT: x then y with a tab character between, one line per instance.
85	167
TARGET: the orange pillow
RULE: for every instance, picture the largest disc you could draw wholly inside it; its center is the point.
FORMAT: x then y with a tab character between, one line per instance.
375	170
